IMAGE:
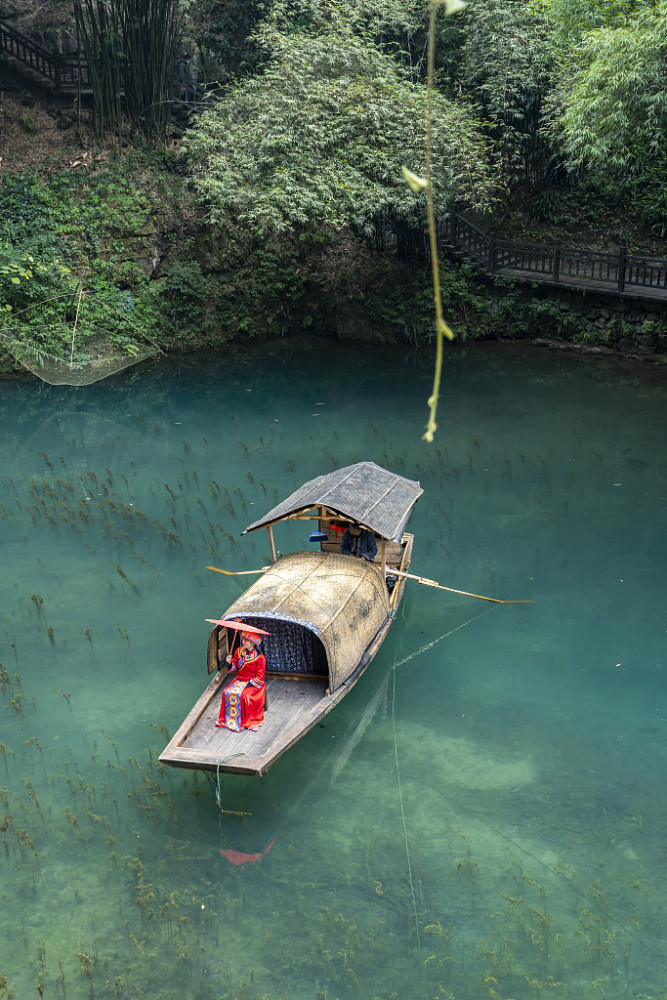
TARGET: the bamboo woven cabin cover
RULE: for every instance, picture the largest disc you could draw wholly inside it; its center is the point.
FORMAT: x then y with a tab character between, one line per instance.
365	492
342	601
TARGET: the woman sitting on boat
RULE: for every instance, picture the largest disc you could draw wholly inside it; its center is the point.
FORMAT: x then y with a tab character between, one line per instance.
243	700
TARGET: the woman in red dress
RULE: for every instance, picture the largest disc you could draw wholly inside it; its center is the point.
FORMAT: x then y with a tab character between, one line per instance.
243	700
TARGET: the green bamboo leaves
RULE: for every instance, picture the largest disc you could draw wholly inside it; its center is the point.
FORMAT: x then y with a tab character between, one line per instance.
318	139
612	107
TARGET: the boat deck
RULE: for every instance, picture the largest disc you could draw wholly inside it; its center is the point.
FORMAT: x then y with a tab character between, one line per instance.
294	707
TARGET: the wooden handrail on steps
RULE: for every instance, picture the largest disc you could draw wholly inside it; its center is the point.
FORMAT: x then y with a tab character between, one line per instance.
60	70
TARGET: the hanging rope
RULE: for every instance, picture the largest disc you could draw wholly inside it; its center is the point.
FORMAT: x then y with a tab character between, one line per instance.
430	645
400	799
406	659
218	791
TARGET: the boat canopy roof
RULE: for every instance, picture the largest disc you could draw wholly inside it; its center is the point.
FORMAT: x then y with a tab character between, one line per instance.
342	601
365	492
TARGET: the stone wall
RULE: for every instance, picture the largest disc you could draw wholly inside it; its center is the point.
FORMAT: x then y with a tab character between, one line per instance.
620	325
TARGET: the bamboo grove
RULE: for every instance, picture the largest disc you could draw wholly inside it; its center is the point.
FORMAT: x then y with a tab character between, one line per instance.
131	48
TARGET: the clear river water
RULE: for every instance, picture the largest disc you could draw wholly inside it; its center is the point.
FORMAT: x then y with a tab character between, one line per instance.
483	816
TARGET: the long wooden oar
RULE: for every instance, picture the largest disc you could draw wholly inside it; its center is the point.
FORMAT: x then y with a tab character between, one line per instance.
390	572
241	572
452	590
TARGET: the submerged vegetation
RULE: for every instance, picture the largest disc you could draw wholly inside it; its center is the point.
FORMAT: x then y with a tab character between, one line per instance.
126	847
170	929
481	885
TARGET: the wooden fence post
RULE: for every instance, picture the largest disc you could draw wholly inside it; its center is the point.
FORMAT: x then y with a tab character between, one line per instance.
556	264
621	269
492	251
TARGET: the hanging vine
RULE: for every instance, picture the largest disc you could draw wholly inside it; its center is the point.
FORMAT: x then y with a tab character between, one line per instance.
442	329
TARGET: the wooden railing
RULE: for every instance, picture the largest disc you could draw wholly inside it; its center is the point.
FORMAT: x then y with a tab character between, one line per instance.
620	273
60	70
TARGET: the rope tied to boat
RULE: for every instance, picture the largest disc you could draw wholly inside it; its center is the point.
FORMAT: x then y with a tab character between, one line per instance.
430	645
400	663
218	791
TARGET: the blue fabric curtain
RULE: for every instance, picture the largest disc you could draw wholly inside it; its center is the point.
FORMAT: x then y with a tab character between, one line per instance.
291	648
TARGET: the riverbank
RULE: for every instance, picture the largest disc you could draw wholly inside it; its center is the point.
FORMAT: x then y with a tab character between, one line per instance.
138	257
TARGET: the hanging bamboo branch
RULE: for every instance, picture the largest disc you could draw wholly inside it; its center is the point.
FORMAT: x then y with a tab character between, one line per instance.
442	329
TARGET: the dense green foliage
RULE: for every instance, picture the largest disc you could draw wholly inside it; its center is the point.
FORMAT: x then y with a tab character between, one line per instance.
223	33
613	107
571	19
507	63
314	131
319	138
59	264
553	109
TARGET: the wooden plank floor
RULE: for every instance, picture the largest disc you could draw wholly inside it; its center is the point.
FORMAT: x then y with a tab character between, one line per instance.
294	707
289	701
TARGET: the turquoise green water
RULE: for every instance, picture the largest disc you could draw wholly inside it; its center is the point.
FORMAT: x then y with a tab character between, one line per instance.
483	816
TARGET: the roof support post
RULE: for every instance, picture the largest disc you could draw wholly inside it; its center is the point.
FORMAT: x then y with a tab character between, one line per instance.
271	543
383	557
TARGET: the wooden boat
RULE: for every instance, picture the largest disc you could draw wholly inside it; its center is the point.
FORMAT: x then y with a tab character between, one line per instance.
326	614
